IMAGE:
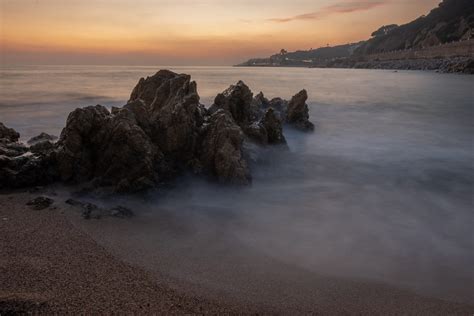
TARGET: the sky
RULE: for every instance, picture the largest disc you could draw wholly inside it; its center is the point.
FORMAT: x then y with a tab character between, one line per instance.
186	32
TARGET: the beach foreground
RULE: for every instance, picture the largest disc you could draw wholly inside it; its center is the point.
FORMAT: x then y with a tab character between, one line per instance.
49	265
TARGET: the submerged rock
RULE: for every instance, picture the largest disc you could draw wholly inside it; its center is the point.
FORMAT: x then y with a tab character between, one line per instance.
40	203
121	212
92	211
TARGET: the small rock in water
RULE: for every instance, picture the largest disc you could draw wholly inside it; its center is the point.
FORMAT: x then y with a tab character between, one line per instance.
121	212
92	211
89	210
36	189
40	203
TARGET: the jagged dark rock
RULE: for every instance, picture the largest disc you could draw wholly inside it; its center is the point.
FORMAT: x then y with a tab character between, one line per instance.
162	131
20	167
110	149
92	211
221	151
40	203
256	132
41	138
237	101
298	112
121	212
272	125
172	103
42	147
89	210
8	134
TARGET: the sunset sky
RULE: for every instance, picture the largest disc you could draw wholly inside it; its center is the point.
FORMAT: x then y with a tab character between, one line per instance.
186	32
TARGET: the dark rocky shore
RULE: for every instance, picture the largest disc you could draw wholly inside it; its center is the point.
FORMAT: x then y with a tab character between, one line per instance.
463	65
161	132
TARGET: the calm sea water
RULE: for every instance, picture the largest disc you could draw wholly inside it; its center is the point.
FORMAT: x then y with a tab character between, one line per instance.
382	190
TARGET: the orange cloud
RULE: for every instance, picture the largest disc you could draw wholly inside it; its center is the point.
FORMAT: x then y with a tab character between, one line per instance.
337	8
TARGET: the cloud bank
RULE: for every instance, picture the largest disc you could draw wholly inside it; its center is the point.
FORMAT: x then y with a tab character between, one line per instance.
337	8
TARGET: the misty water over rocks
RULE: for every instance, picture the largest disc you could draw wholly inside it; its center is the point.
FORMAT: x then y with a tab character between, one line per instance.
381	191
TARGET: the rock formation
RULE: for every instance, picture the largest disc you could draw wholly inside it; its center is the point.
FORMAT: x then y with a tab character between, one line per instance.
92	211
221	150
8	134
298	113
40	203
20	167
162	131
236	100
43	137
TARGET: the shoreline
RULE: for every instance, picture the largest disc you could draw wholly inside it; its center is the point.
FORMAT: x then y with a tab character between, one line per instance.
52	265
49	266
461	65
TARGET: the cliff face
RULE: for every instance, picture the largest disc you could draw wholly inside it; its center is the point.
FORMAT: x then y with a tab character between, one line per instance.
452	20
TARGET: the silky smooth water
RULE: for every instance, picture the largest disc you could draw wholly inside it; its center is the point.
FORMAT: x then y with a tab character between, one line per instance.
382	190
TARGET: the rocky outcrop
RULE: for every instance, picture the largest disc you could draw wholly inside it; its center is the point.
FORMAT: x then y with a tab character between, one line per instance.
137	146
298	112
272	125
8	134
221	152
175	116
20	167
162	131
295	113
237	101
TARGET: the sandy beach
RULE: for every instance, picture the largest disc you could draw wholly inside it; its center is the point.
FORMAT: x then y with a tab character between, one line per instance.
49	265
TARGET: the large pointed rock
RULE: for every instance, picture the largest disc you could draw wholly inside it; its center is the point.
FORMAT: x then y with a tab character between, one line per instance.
172	104
236	100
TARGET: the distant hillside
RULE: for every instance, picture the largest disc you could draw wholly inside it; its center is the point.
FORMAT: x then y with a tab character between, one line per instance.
452	20
304	58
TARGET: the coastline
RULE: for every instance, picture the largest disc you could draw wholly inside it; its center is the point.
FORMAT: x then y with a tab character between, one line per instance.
460	65
50	265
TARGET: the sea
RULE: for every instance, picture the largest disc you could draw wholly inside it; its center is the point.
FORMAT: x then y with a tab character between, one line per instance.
381	191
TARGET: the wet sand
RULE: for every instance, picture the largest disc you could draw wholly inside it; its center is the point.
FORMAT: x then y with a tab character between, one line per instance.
49	264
